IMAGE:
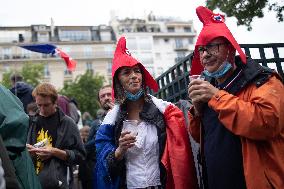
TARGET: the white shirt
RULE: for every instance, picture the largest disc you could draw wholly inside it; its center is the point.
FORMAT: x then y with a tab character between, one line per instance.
142	160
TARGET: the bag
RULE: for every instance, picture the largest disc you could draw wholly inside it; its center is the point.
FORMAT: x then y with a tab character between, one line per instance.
49	178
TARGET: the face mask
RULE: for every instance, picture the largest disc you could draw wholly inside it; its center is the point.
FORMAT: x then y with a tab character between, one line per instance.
134	97
220	72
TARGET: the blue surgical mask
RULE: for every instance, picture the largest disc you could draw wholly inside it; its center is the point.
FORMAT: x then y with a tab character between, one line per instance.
226	66
134	97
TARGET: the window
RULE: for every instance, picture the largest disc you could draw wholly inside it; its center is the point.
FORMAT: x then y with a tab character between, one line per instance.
95	35
11	36
180	56
105	36
70	35
7	52
108	51
187	29
171	29
158	56
157	42
145	43
109	67
88	52
26	53
179	43
190	40
131	44
46	72
42	37
89	67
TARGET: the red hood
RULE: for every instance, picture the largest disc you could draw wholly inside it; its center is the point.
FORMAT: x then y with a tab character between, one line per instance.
123	58
213	26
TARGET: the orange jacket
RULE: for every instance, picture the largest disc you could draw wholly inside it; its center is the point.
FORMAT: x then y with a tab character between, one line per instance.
257	116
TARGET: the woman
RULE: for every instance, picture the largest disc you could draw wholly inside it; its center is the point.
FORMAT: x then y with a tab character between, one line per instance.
160	155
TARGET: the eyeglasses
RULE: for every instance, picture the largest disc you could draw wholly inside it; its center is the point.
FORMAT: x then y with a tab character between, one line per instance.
212	49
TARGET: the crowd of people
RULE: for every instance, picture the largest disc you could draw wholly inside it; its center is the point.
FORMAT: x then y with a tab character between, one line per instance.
237	117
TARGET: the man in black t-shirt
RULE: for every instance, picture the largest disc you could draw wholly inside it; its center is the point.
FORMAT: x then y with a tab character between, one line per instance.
62	146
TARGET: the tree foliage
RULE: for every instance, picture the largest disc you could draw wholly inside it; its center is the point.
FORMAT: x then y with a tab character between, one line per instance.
246	10
85	90
6	79
32	74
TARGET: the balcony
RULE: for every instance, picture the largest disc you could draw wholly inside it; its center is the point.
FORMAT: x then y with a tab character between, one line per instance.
181	47
21	39
74	55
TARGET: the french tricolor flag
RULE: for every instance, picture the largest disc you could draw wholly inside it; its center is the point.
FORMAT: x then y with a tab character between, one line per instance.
52	49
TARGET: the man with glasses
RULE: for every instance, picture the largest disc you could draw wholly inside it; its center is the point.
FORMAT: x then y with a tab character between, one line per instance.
237	113
53	141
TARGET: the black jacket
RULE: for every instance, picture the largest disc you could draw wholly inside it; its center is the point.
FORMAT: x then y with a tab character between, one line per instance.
68	139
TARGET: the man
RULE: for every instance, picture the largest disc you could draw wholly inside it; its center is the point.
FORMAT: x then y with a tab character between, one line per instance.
86	168
22	90
105	100
240	110
18	167
62	147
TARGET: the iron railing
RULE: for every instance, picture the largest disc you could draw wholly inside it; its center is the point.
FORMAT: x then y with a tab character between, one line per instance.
173	83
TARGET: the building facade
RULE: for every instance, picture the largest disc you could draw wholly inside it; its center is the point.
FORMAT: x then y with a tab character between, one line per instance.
158	43
91	46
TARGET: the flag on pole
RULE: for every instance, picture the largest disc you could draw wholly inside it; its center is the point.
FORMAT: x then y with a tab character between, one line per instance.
52	49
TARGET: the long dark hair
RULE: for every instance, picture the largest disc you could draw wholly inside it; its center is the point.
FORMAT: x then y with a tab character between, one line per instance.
119	91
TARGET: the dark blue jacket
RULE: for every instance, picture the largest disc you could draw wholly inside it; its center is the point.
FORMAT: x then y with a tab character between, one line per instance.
24	92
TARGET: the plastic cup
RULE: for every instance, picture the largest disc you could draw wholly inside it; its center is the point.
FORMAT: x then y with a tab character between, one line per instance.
131	126
193	77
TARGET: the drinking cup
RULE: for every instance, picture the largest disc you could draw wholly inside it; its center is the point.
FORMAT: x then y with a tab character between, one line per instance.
131	126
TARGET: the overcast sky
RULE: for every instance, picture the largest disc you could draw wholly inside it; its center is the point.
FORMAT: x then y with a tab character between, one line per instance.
96	12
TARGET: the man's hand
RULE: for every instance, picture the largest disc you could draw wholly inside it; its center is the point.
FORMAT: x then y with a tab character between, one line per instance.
110	104
200	92
45	152
126	141
31	149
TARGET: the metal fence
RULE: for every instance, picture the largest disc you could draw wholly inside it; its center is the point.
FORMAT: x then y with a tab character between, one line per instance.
173	83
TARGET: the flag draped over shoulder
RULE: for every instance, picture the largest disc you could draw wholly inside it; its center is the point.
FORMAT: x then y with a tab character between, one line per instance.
52	49
177	156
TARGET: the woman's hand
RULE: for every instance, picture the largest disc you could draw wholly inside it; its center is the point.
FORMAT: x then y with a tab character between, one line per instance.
126	140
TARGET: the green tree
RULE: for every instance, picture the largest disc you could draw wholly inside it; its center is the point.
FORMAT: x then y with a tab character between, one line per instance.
32	74
246	10
6	79
85	90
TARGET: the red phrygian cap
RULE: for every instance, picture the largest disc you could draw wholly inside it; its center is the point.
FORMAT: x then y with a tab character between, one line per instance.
213	26
123	58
